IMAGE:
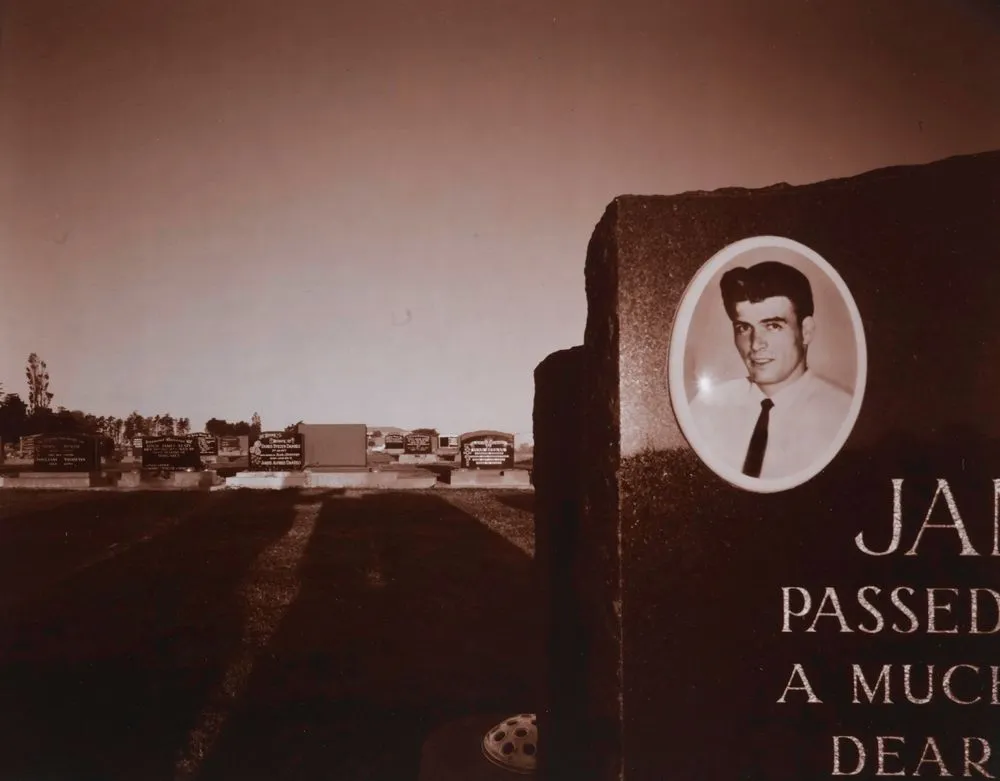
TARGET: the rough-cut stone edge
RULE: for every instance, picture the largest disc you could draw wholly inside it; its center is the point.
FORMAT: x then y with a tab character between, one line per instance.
781	188
600	519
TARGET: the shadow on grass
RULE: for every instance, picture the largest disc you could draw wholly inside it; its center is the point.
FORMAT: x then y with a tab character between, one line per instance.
44	536
104	675
521	500
410	613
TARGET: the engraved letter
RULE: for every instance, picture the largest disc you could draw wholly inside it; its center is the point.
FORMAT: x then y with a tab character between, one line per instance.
805	687
897	524
958	525
836	755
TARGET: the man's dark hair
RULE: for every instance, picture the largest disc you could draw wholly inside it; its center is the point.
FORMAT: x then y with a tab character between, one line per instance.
765	280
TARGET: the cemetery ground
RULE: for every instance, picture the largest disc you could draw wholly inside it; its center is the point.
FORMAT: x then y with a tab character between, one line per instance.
257	634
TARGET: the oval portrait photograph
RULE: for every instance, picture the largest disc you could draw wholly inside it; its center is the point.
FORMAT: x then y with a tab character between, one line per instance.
767	363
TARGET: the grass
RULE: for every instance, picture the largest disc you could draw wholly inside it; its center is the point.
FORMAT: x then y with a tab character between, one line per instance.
312	634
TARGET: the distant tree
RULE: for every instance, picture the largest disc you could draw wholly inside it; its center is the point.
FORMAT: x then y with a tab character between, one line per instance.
217	427
64	421
223	428
292	429
116	427
183	426
376	433
133	426
166	425
37	373
255	426
112	428
13	418
432	431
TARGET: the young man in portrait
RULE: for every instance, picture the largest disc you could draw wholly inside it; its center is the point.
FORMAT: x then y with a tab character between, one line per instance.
782	416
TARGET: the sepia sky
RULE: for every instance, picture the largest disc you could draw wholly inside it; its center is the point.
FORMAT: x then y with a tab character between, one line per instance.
378	211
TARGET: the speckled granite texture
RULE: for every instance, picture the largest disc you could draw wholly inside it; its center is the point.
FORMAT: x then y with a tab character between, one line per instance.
681	603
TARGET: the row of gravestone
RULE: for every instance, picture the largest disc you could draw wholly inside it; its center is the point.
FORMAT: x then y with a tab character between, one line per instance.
208	445
83	452
476	449
271	451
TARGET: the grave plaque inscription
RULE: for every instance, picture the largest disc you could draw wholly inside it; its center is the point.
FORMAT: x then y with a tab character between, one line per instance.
276	451
170	453
66	453
487	450
233	445
208	444
417	444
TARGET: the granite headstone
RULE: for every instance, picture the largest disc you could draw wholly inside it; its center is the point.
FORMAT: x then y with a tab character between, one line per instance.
66	453
831	614
277	451
170	453
487	450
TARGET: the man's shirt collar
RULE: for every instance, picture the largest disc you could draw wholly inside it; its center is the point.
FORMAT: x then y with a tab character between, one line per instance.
787	395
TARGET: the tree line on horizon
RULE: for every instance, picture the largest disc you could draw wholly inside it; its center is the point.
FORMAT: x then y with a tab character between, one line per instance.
20	418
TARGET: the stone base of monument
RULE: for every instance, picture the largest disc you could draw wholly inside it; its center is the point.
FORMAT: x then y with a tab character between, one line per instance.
490	478
200	479
415	481
267	480
351	479
367	479
129	479
418	458
55	480
454	752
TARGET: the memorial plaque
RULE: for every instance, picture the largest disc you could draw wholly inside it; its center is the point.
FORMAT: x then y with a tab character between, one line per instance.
67	453
417	444
27	445
394	442
208	444
781	548
234	445
487	450
276	451
170	453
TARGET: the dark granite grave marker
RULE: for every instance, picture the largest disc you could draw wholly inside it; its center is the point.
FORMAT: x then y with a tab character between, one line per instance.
26	446
417	444
394	442
234	445
170	453
487	450
334	444
276	451
838	615
208	444
66	453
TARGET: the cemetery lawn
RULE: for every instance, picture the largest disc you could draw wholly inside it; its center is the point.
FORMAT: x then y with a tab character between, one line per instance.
257	635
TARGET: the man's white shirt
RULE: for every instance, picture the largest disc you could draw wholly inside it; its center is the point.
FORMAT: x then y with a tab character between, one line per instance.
806	418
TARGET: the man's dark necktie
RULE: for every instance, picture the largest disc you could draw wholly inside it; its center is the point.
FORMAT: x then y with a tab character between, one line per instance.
758	441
